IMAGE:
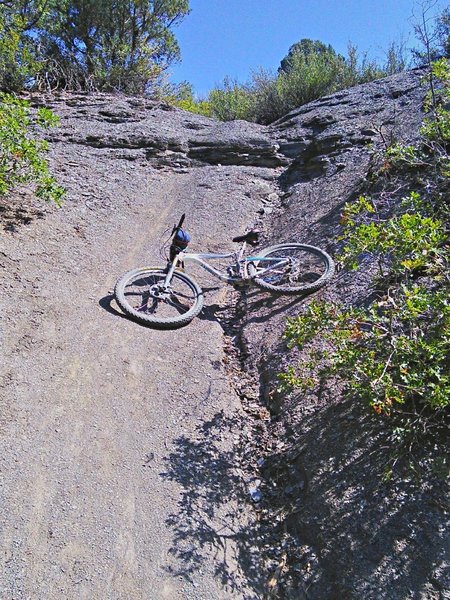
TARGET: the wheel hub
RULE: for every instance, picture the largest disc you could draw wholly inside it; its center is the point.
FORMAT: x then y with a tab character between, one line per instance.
160	292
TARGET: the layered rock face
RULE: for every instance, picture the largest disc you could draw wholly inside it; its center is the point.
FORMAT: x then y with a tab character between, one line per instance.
138	129
319	137
309	140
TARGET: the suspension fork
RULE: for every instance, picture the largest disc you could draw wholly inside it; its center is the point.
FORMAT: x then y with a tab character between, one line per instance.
171	271
239	261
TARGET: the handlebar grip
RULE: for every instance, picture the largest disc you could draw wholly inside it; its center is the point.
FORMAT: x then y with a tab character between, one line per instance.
183	216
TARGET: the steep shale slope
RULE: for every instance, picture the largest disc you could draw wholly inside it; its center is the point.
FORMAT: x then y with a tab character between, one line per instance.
126	453
346	533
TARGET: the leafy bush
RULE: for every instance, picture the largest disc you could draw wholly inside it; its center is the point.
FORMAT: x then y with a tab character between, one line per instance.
17	61
395	353
437	126
308	78
231	101
182	96
400	243
22	156
310	70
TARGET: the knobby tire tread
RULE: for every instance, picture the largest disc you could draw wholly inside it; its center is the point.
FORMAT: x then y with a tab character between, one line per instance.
302	289
166	323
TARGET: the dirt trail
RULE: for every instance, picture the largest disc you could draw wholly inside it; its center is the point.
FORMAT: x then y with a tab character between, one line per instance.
116	438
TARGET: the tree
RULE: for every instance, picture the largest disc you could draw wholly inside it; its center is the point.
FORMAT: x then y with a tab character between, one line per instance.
17	61
110	44
87	44
305	49
443	32
433	34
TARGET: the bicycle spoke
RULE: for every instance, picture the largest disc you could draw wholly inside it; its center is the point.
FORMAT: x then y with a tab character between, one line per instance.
146	295
182	308
296	267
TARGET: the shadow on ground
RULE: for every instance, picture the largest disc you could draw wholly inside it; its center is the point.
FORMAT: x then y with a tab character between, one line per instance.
13	216
351	532
214	516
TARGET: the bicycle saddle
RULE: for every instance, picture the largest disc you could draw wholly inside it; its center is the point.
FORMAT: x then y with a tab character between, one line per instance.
252	237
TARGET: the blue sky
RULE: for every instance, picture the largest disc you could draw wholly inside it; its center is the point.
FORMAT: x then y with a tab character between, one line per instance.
233	37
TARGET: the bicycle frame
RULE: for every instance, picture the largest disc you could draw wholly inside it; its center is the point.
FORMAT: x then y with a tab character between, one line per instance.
200	259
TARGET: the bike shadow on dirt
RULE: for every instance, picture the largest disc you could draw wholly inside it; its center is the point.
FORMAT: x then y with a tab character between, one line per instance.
106	304
254	300
257	304
214	521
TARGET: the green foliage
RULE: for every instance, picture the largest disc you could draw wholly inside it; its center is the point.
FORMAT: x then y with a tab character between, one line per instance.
80	44
305	49
199	107
396	60
437	126
110	45
400	244
433	35
22	156
17	62
399	154
230	101
443	32
308	78
310	70
182	96
394	354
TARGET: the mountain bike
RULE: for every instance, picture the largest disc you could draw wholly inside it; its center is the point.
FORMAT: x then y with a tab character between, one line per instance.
167	298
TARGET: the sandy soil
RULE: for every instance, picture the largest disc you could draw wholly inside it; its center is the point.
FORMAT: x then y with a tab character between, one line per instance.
118	468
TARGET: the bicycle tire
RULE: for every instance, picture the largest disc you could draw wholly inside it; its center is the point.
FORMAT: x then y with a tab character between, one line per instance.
152	319
274	282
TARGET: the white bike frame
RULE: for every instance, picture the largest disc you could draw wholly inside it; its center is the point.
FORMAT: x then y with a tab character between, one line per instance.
240	261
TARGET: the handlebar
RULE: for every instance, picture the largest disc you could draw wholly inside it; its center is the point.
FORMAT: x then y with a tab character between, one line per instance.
180	223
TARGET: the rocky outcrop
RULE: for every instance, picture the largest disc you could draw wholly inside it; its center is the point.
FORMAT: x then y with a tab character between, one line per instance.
318	137
310	141
139	129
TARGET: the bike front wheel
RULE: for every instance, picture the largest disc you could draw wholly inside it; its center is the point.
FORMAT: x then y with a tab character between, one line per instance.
291	268
141	295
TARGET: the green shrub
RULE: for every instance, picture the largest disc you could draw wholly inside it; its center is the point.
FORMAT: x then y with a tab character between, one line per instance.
17	62
182	96
22	155
395	353
309	71
436	127
231	101
199	107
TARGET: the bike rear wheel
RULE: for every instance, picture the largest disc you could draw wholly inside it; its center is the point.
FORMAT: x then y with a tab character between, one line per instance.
141	295
307	269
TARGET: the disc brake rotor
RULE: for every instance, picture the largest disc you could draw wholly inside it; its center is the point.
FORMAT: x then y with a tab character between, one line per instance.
159	292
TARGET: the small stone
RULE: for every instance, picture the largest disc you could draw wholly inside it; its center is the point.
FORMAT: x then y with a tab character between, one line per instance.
266	210
370	132
255	494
